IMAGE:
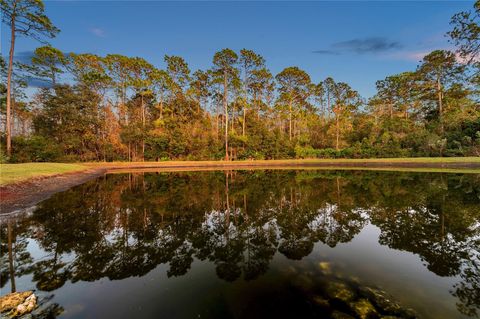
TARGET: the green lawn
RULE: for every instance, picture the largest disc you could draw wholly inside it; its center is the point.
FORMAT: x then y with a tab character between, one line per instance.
419	160
14	173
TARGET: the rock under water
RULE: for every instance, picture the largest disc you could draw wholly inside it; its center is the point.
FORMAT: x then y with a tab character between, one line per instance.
18	303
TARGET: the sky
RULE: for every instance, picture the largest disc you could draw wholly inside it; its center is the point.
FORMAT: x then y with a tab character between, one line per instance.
358	42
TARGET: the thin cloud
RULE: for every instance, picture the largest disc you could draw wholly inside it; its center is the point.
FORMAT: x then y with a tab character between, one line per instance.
367	45
98	32
327	52
372	45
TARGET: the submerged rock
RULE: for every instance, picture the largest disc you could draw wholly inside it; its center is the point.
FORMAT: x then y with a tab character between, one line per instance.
13	300
340	291
381	299
320	301
385	303
325	267
364	309
27	306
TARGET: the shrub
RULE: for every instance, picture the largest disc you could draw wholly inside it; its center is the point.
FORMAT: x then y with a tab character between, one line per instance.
35	149
306	152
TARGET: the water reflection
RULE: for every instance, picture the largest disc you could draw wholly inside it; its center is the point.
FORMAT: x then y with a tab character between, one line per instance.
125	225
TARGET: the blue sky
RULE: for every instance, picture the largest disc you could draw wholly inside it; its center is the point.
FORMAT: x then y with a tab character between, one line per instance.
357	42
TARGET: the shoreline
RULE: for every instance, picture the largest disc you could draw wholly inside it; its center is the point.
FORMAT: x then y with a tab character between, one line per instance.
16	197
23	194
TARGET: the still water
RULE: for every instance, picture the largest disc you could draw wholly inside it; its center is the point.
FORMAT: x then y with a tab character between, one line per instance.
251	244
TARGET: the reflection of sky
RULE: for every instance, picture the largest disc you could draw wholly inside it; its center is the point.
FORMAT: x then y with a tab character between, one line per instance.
25	282
401	274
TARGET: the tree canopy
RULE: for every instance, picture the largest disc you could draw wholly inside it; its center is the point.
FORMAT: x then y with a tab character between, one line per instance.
126	108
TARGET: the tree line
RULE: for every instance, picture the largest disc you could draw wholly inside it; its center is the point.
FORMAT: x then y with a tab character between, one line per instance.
115	107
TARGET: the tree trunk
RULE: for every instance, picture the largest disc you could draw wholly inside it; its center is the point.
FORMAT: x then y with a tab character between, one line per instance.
328	102
8	129
245	102
225	106
337	129
143	129
440	102
104	133
12	114
161	104
217	126
256	105
124	107
439	92
290	120
244	118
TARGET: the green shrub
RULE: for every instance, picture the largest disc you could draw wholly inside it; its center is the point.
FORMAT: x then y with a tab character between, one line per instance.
327	153
306	152
35	149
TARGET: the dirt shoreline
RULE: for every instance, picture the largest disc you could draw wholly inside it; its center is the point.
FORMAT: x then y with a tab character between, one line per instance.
20	196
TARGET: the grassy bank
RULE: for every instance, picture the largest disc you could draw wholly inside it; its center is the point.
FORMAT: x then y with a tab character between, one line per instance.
446	165
14	173
386	161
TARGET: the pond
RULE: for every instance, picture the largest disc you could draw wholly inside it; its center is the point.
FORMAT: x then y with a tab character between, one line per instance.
251	244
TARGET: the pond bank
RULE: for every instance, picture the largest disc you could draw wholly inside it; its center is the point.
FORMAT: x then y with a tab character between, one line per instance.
25	192
419	162
18	196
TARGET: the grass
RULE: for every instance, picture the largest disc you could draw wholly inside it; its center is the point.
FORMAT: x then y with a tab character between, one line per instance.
419	160
14	173
122	170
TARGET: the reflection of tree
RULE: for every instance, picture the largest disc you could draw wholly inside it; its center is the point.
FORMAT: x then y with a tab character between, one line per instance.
126	225
442	227
46	309
420	231
468	290
15	260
